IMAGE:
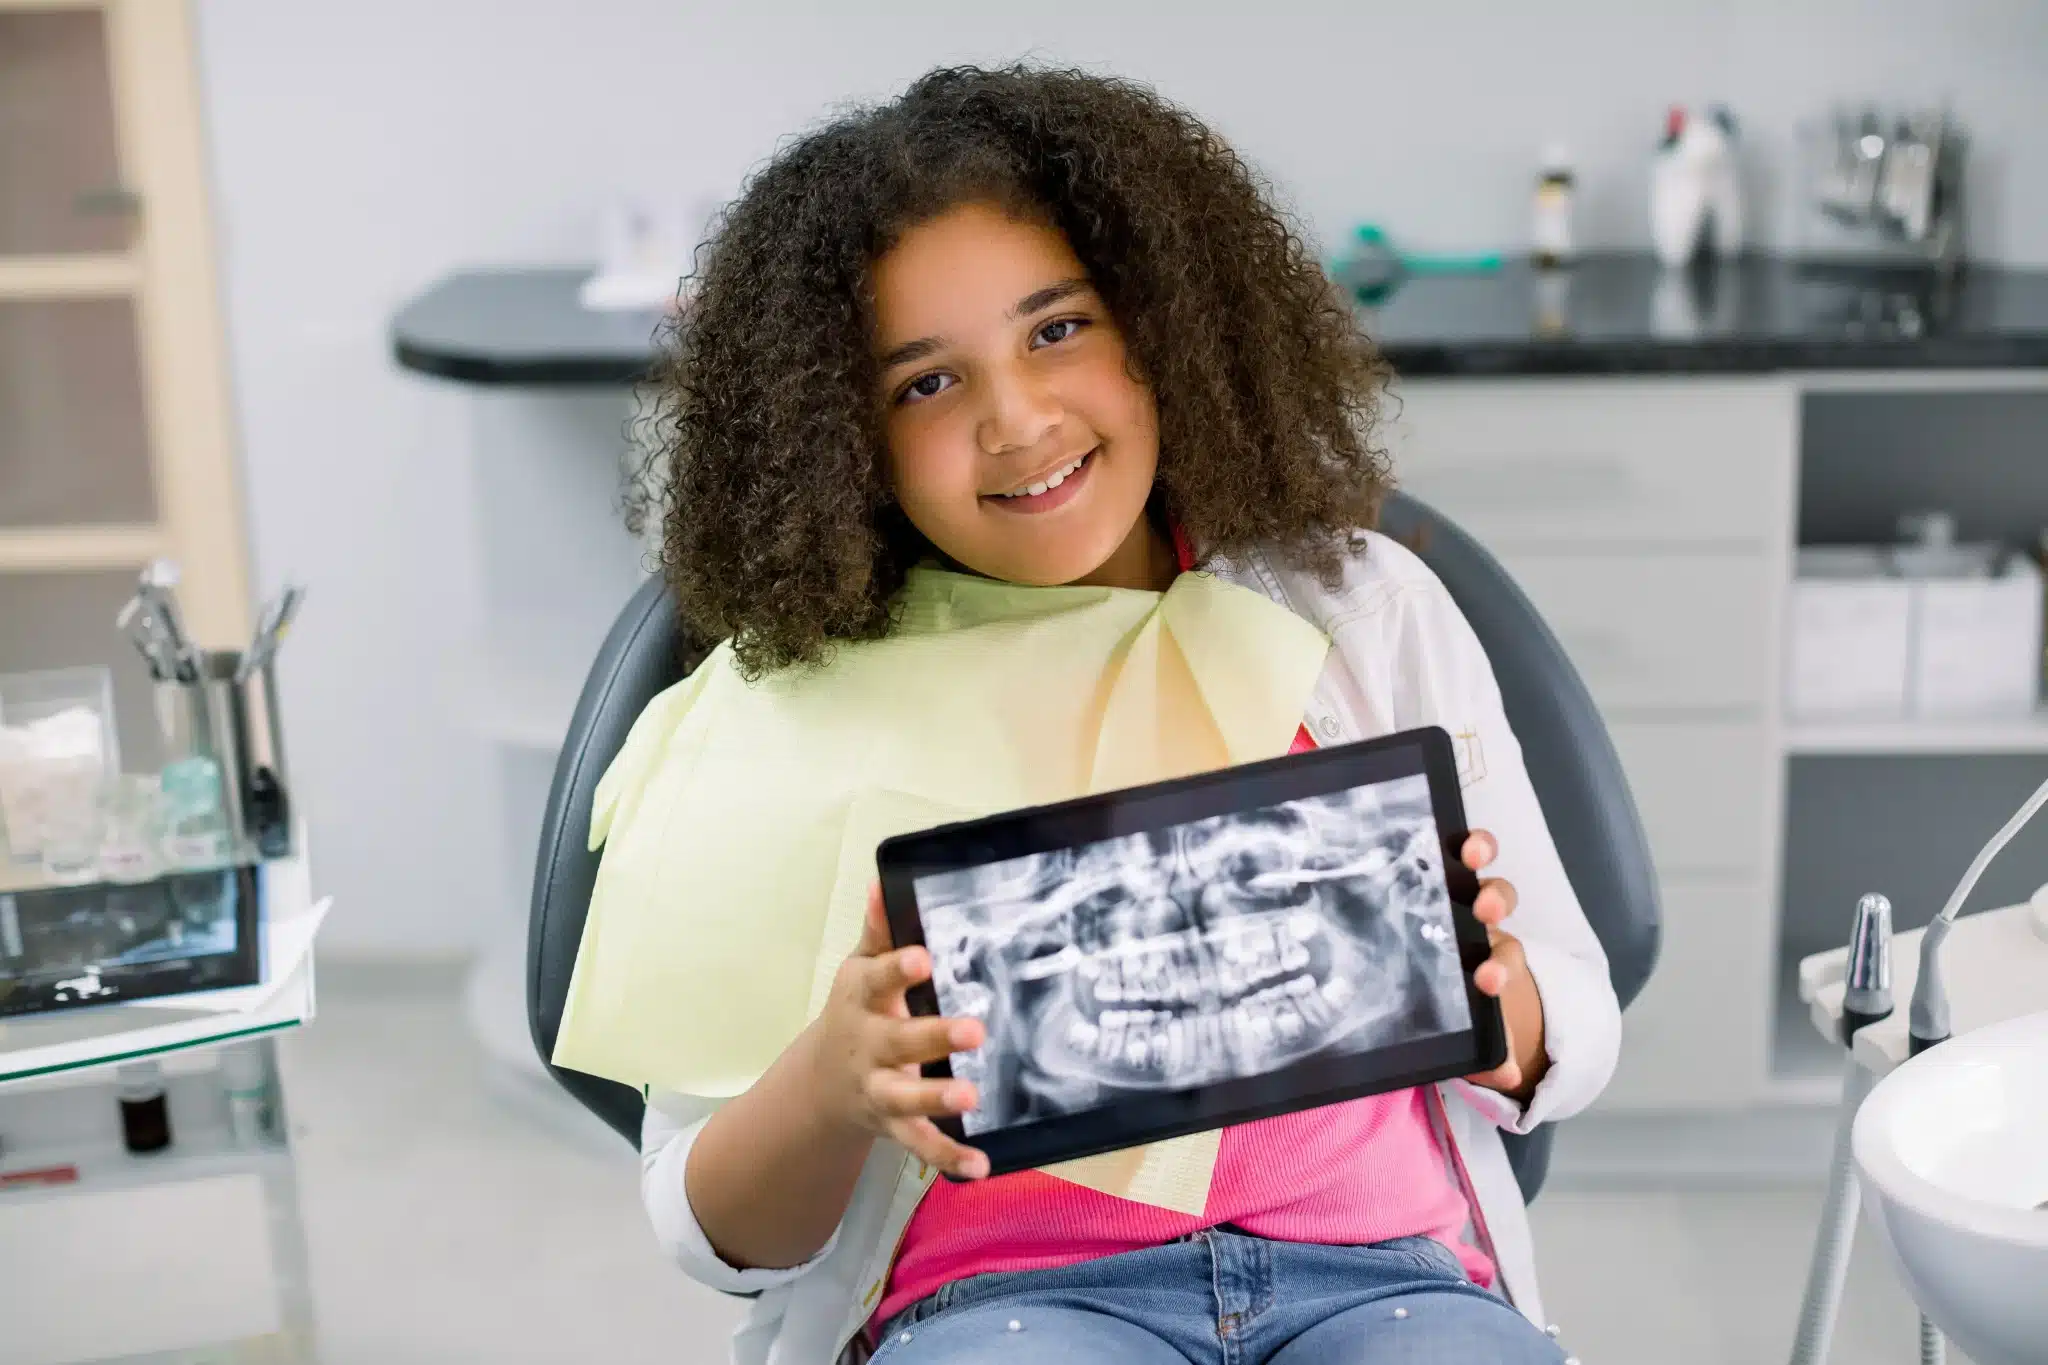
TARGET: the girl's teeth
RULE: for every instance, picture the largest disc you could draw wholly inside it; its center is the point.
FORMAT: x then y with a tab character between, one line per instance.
1057	478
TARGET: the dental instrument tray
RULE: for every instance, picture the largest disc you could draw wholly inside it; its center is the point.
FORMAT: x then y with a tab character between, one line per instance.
1201	952
105	943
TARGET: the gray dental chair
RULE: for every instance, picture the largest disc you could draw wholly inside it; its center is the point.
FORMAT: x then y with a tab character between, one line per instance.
1571	763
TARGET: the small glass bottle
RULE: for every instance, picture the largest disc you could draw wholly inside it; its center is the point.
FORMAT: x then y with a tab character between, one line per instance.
195	823
1551	228
72	828
145	1109
245	1074
131	834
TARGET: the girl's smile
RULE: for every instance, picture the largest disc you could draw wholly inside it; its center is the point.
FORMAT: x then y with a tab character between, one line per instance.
1047	491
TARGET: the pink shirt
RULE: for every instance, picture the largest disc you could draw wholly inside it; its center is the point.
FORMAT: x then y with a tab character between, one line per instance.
1343	1175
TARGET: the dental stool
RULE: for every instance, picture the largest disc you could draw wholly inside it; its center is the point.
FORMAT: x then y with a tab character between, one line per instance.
1571	763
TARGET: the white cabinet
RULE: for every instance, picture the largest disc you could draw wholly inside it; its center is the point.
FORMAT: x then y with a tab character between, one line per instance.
1636	463
1701	789
1650	521
1699	1034
1657	632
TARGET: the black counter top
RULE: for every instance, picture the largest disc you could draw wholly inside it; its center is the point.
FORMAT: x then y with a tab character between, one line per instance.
1605	315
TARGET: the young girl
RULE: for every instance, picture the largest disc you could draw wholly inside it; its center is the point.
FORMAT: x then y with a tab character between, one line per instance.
958	371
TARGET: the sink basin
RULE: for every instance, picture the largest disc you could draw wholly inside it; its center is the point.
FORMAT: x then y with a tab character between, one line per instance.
1952	1148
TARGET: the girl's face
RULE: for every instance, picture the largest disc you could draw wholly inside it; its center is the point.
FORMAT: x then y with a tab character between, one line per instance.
1020	443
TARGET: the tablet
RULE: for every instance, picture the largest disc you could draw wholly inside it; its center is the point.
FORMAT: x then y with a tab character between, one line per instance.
1203	952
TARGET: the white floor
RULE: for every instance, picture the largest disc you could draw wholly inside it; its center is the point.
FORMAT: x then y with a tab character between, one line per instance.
449	1225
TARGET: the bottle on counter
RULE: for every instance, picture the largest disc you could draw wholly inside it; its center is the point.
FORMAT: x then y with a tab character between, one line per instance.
1551	227
1695	189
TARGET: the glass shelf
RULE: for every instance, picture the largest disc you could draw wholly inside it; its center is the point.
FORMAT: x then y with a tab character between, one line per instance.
76	1040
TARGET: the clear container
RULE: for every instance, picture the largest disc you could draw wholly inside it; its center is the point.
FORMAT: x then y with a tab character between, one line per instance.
73	828
245	1076
196	833
131	837
57	748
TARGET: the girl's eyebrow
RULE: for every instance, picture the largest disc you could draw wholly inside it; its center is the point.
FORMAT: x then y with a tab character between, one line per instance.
1031	303
1046	297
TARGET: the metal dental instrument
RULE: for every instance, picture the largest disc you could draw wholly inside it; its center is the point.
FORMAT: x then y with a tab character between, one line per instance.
157	590
140	626
271	626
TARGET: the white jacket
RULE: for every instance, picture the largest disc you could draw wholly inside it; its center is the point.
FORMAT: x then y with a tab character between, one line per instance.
1404	656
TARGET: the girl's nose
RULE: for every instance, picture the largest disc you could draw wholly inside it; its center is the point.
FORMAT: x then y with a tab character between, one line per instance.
1021	413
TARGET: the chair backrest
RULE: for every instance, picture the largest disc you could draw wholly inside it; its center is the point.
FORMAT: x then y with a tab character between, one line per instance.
1570	759
1571	762
646	651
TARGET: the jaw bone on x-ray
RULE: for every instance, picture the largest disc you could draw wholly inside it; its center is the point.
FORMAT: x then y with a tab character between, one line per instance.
1221	948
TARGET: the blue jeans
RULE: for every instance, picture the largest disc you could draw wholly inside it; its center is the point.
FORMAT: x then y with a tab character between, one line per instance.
1223	1298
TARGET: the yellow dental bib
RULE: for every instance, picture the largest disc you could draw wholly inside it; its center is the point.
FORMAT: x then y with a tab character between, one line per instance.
739	821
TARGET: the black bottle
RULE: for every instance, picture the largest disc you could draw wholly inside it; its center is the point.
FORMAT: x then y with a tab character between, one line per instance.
145	1109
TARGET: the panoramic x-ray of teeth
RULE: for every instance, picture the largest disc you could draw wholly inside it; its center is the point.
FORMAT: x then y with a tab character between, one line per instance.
1216	949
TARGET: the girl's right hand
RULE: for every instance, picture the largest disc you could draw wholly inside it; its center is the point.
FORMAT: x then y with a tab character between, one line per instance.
870	1051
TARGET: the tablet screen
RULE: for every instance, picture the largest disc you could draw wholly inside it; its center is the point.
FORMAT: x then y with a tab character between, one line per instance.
1196	954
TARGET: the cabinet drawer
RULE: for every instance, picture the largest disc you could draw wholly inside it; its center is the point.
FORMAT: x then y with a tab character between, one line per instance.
1578	463
1697	1037
1702	790
1649	631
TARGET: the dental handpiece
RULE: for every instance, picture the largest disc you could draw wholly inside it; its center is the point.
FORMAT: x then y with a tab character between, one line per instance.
1867	982
1866	999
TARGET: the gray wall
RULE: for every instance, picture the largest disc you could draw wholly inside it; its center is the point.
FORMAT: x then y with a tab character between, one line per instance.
361	149
1868	457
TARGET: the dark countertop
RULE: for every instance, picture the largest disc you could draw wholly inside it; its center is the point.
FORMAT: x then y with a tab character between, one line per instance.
1605	315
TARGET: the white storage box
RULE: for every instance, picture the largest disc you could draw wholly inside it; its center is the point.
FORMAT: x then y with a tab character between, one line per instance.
1851	629
1977	644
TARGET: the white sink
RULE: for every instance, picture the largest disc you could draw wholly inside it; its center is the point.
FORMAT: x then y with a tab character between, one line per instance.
1952	1148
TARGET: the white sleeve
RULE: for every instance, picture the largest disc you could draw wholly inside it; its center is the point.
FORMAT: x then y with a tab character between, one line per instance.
1443	674
667	1133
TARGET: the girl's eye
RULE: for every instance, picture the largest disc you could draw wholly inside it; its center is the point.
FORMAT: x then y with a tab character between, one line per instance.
927	386
1058	330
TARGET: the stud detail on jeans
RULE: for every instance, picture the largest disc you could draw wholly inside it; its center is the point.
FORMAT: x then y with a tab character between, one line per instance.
1400	1313
1016	1326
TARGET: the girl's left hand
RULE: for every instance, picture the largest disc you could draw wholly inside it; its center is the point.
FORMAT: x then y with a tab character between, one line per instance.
1505	976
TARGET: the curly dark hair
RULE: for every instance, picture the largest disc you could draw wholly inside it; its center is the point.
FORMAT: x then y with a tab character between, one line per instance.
766	457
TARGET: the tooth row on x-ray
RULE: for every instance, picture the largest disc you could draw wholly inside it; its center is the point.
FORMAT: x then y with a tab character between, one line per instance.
1224	947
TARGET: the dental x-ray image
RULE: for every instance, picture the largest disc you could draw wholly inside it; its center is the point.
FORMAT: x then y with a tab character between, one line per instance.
1218	949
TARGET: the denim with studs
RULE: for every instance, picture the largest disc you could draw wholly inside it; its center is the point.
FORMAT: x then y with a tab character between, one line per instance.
1220	1297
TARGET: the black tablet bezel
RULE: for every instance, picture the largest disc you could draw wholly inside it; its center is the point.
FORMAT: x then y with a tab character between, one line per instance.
902	861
